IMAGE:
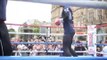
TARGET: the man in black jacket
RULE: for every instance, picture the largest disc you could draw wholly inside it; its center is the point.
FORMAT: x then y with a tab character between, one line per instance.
69	32
5	45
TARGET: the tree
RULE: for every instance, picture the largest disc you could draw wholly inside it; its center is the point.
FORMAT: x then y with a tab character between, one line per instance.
36	30
11	30
82	38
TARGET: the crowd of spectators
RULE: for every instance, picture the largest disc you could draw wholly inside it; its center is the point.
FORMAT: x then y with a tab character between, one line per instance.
37	49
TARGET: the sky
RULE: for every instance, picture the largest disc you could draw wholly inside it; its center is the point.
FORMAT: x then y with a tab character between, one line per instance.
19	12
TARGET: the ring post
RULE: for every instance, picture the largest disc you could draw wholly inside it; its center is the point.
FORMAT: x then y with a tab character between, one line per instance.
91	39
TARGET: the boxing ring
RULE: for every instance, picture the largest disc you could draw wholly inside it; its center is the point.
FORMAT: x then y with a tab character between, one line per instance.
94	4
47	57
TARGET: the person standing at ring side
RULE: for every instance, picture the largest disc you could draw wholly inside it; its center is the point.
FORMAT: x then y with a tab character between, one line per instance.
67	17
69	32
5	45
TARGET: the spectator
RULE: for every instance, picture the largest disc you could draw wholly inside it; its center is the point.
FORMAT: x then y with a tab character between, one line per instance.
79	47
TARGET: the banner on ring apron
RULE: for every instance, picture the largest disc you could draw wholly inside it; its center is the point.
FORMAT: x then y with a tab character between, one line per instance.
91	38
